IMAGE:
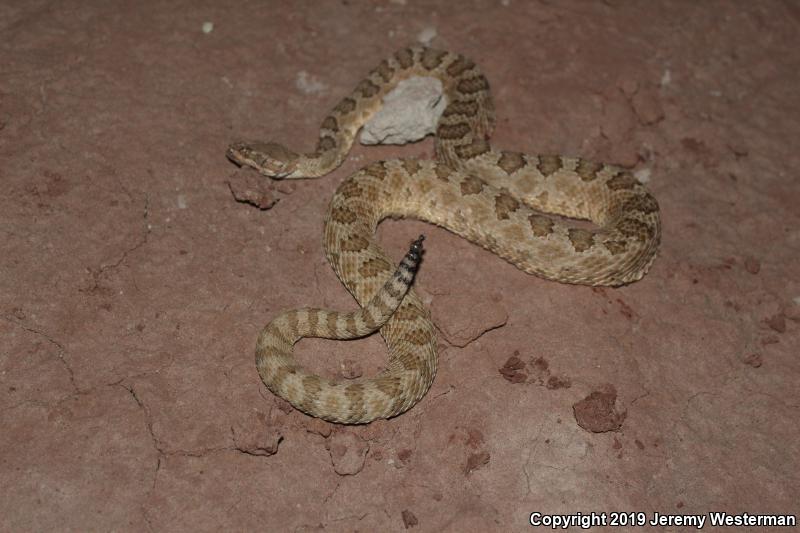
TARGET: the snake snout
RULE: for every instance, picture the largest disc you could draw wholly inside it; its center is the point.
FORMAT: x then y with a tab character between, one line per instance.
270	159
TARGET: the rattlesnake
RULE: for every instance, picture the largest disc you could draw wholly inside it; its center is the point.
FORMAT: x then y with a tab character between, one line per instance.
493	198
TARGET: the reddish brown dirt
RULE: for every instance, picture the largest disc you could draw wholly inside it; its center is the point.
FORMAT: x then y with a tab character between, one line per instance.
133	284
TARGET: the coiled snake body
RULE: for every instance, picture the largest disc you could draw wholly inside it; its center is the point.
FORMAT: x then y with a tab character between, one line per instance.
493	198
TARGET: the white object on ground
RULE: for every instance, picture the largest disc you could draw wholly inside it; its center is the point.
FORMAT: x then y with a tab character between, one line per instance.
409	113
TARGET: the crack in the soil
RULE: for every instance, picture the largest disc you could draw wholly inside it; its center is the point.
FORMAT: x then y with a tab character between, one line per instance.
645	394
532	451
61	355
466	343
103	268
147	418
160	446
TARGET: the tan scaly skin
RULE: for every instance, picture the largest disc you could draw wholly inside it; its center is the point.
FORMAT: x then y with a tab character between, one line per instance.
497	199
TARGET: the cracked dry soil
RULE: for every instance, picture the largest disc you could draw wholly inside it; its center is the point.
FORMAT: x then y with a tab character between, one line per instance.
135	276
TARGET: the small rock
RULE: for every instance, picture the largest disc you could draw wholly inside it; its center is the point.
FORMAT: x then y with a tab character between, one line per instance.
666	78
514	362
777	323
597	413
251	188
643	175
427	35
409	520
409	113
647	106
257	436
541	364
476	460
754	360
513	376
319	426
511	370
309	84
752	265
348	453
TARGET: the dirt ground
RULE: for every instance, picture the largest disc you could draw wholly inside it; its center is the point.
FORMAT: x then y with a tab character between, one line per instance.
133	284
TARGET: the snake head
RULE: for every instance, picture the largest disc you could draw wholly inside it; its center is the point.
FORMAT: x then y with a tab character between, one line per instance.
270	159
